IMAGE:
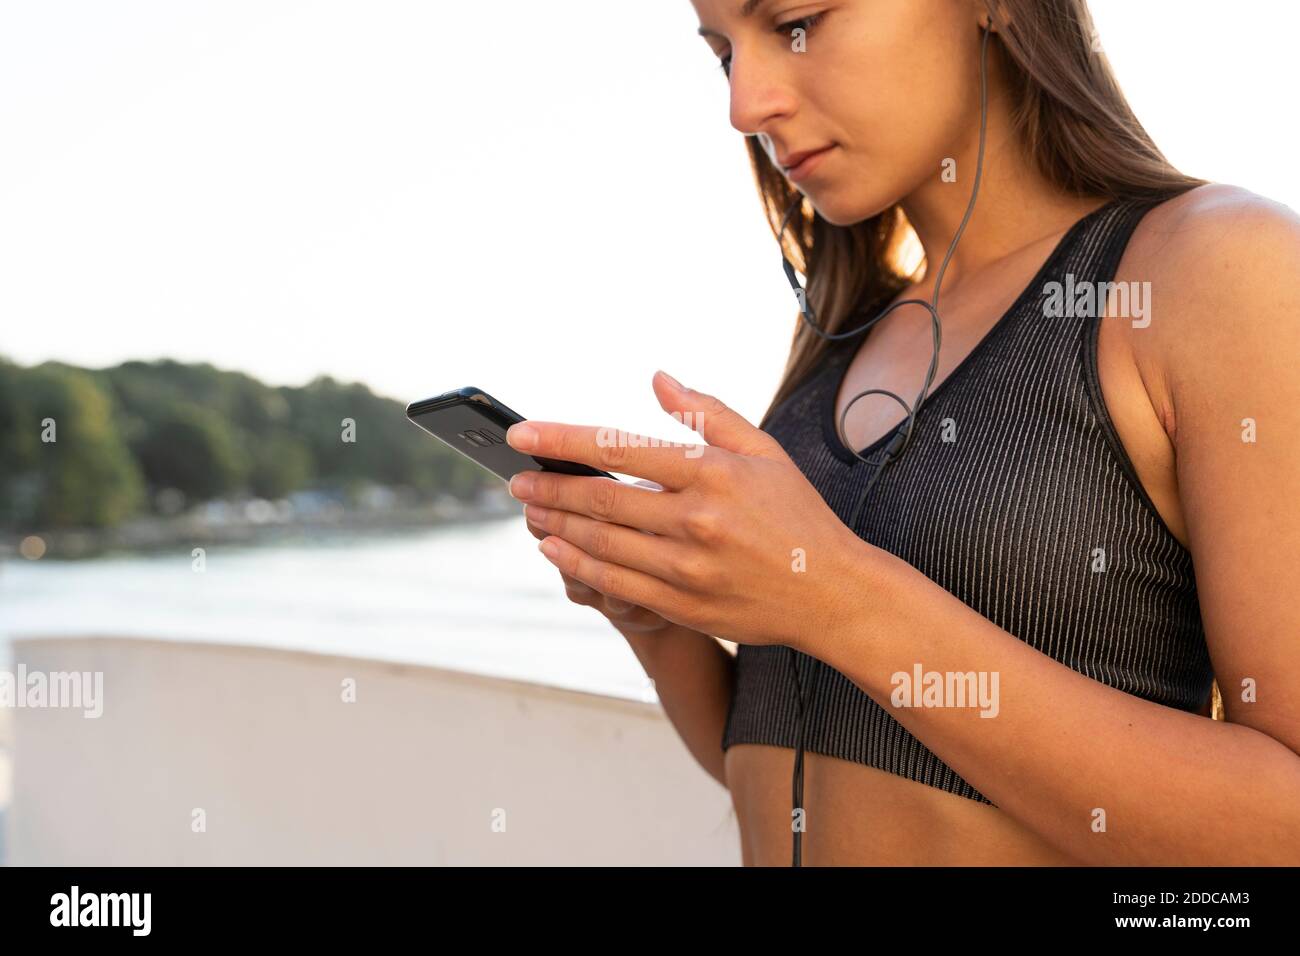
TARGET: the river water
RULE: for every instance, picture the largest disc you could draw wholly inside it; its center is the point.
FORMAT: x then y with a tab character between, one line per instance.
473	597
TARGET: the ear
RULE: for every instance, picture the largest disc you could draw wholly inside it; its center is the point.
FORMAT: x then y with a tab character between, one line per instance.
992	13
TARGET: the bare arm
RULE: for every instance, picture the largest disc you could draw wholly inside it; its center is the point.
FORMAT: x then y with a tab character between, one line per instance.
693	675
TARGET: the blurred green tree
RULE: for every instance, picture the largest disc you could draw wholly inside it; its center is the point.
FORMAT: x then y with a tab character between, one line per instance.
193	450
63	461
128	432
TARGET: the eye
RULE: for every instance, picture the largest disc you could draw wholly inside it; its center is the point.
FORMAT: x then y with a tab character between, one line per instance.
808	23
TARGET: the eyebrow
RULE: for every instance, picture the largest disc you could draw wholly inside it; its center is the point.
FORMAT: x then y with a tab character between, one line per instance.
747	10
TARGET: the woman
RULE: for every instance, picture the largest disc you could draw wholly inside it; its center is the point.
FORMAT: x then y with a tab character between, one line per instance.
989	641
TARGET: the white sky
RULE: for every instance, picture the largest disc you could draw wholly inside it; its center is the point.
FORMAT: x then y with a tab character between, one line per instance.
544	200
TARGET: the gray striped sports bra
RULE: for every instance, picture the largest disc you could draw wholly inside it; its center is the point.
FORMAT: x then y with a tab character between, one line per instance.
1006	518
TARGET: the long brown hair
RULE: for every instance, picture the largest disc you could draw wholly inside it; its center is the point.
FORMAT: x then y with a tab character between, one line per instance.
1069	115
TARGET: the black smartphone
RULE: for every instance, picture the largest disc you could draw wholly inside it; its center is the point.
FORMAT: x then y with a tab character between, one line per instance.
474	423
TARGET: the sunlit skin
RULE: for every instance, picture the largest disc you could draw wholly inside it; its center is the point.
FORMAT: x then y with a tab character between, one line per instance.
894	84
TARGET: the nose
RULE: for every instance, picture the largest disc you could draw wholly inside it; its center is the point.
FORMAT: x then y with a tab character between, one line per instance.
759	96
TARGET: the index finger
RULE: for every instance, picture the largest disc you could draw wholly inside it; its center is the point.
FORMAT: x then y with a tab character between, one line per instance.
672	464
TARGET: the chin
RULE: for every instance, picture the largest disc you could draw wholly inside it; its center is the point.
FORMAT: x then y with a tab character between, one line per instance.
841	210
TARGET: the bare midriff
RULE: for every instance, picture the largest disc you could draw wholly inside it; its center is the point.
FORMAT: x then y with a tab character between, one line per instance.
856	815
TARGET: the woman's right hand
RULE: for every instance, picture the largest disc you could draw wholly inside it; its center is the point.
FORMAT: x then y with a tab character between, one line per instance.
627	618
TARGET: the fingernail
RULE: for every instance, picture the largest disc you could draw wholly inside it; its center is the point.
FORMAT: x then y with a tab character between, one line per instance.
536	513
548	547
522	436
521	485
676	384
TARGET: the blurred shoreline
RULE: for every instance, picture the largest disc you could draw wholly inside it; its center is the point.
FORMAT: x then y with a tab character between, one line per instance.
251	522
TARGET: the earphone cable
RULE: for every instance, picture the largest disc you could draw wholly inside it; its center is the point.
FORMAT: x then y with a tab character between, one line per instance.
901	439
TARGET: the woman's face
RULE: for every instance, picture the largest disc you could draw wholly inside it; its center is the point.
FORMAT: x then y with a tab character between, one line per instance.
888	89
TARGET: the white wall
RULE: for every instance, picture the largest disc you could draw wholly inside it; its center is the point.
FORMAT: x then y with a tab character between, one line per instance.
289	774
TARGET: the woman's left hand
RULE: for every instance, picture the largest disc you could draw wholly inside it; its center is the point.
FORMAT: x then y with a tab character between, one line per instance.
741	546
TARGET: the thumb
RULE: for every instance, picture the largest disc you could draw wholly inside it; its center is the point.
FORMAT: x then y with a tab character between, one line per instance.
720	426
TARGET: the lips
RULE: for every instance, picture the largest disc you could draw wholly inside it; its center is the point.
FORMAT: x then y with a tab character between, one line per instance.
792	160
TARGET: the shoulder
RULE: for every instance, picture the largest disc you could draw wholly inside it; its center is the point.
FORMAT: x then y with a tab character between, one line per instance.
1223	267
1212	238
1217	243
